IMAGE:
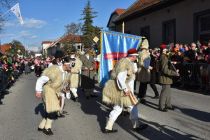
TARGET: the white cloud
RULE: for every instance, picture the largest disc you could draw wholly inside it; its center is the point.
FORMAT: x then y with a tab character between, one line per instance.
9	24
24	34
34	23
2	35
28	23
33	36
6	24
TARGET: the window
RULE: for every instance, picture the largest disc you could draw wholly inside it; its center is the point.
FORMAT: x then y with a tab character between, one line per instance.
145	31
202	26
169	31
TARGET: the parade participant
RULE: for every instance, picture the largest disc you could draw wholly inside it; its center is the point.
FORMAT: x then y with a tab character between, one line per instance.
27	67
88	74
154	78
144	70
57	60
118	88
75	75
166	73
37	62
48	87
51	61
63	93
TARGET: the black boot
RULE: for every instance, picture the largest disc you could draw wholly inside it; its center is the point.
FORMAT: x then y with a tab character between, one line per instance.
164	110
40	129
47	131
110	131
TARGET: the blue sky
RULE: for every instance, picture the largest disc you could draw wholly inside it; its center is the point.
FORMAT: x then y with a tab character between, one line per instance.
45	19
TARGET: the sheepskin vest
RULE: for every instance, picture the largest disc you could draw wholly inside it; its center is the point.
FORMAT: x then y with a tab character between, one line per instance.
75	73
52	89
111	93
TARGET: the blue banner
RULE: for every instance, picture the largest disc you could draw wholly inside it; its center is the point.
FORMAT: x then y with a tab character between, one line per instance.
114	46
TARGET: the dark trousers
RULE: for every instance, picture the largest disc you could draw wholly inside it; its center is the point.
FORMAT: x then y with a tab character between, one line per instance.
154	88
165	97
142	90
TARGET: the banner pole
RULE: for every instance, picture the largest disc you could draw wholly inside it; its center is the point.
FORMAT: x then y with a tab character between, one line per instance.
123	27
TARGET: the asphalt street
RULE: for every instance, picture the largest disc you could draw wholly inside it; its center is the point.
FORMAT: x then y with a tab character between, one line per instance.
20	115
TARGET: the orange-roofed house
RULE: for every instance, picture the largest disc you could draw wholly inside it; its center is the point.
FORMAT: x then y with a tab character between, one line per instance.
58	44
5	47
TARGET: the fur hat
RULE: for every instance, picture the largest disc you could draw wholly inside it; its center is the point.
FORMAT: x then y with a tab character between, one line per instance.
145	44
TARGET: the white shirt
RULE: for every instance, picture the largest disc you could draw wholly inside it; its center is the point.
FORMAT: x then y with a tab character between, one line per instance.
44	79
121	78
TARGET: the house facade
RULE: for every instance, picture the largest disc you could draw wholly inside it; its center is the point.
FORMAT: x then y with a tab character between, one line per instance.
111	23
45	46
75	40
167	21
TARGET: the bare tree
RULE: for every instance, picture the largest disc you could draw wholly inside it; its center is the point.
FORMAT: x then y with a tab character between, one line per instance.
5	5
73	28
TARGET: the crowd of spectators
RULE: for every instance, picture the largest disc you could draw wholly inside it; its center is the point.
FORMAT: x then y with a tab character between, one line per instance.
192	60
190	53
11	67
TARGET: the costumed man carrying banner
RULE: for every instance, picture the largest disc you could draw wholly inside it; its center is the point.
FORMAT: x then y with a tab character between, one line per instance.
119	91
49	87
88	74
144	74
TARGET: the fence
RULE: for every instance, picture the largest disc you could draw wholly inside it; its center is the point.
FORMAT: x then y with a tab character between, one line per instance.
192	76
195	75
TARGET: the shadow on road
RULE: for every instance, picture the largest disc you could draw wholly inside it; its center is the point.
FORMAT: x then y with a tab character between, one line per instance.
93	106
152	105
2	94
164	132
199	115
155	131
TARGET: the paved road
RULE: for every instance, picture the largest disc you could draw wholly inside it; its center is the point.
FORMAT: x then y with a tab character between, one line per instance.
20	115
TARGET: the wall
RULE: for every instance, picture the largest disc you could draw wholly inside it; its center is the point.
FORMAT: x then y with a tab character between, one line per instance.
183	12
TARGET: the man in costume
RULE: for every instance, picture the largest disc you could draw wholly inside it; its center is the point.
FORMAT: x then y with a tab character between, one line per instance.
75	76
144	70
49	87
118	88
88	74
